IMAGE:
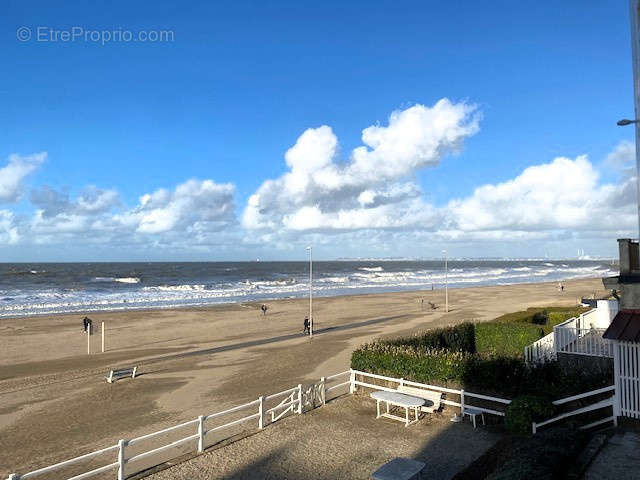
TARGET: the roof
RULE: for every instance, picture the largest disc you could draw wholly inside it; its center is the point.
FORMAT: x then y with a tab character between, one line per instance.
624	327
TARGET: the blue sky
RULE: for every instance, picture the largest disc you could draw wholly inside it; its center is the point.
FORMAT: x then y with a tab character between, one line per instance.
240	82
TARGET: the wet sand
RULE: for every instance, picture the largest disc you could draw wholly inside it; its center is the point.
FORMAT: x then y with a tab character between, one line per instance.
55	403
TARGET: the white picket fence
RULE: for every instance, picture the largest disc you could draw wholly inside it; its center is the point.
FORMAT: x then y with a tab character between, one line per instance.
542	350
627	377
580	335
607	402
295	400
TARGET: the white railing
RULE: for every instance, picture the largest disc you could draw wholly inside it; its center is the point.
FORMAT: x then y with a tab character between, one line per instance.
582	341
580	335
293	401
542	350
463	394
627	370
607	402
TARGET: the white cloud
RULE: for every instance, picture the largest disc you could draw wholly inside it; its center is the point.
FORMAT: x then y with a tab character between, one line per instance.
623	155
193	213
9	234
91	201
317	192
13	174
192	203
561	195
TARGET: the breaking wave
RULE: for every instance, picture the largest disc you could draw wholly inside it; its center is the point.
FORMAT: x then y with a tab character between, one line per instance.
47	295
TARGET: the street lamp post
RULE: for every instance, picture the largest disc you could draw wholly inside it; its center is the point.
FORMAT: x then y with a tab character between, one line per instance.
446	283
636	122
310	291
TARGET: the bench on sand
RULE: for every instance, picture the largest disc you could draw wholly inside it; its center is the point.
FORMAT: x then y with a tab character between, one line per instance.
121	373
432	400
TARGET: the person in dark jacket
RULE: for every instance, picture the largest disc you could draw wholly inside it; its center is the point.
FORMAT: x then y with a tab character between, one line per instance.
86	323
306	330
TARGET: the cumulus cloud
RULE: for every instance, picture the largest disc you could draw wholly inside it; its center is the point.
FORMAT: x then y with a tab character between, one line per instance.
564	194
319	192
623	155
189	214
91	201
192	203
13	174
9	234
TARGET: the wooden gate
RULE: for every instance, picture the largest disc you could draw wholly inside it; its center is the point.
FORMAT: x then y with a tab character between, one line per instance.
626	357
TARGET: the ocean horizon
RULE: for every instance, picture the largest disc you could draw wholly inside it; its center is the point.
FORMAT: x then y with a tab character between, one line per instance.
52	288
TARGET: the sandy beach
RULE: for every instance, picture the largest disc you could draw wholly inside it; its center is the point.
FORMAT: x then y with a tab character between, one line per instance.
55	403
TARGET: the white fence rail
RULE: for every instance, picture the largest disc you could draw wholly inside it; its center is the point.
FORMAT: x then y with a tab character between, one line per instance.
580	335
543	349
465	396
627	377
294	400
607	402
582	341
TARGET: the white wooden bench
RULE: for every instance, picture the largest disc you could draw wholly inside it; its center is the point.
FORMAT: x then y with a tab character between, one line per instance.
121	373
432	399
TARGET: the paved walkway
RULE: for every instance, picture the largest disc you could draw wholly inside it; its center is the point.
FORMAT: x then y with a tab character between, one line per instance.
618	460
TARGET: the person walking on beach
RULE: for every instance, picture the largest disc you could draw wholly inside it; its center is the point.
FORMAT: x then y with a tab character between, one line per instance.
306	330
86	323
264	309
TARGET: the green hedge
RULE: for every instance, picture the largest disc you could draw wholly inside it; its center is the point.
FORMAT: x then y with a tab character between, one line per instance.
419	364
495	338
547	317
503	376
549	455
525	410
485	358
459	338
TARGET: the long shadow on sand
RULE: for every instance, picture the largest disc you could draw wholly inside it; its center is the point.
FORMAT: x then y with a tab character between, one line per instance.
280	338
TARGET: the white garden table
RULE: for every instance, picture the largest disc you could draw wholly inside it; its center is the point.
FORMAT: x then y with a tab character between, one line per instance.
397	400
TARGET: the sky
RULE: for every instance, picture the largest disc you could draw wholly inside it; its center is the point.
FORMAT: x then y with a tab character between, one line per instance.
186	131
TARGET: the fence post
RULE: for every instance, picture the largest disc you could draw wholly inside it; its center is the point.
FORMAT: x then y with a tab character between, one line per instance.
462	403
201	434
402	382
323	390
533	428
299	398
261	413
102	337
352	380
121	459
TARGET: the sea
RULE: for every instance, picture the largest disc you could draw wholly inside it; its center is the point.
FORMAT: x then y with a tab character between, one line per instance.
51	288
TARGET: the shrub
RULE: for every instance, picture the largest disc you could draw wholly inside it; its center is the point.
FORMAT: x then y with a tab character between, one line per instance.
460	338
496	338
540	318
419	364
549	455
527	409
